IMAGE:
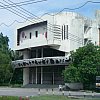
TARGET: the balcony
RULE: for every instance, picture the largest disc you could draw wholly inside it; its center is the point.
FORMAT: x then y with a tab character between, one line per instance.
46	61
51	36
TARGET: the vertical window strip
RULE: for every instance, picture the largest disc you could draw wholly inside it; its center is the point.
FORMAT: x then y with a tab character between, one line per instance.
30	35
36	34
62	32
67	31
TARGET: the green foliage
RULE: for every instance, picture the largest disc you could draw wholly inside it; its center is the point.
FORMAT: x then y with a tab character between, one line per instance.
85	65
71	75
5	60
6	56
8	98
17	77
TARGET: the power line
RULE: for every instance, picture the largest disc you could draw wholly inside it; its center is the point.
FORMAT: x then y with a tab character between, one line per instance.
19	4
25	15
48	13
27	12
23	10
12	23
77	39
18	13
96	2
72	9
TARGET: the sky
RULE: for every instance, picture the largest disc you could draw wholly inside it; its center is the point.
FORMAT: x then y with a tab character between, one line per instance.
38	9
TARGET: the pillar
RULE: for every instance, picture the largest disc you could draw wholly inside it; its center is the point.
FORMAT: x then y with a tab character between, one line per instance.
25	70
25	76
36	75
53	78
41	75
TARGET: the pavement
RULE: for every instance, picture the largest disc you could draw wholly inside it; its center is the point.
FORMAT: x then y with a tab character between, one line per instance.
7	91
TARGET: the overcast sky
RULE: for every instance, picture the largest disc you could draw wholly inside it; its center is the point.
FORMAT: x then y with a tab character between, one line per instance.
39	9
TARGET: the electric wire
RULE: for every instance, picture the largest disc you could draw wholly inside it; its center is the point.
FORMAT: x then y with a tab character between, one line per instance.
25	11
71	9
12	23
49	24
56	13
19	14
22	10
84	4
18	4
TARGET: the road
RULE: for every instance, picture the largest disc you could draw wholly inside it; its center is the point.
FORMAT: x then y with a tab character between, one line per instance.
35	91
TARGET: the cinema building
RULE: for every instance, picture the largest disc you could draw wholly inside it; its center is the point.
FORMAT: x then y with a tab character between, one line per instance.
45	44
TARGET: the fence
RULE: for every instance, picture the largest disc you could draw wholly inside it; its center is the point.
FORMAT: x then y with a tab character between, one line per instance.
75	94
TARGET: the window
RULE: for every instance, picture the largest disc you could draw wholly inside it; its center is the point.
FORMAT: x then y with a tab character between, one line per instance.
30	35
23	34
45	34
36	34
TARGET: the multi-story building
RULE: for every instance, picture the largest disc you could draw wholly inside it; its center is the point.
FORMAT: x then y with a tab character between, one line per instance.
46	42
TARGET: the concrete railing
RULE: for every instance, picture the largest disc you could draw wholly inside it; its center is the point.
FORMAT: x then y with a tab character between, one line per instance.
45	61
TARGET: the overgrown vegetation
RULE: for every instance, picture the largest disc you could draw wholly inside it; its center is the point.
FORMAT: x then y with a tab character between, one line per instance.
6	70
84	66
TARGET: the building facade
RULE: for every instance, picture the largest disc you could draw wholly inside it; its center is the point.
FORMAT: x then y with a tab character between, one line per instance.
45	44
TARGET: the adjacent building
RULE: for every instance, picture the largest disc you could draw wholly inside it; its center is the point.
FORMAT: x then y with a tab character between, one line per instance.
45	44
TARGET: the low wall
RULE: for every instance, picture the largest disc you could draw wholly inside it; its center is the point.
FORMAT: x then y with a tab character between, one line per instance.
74	86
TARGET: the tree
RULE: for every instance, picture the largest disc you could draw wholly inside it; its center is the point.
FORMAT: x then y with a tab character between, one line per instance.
71	75
6	56
86	60
5	61
17	75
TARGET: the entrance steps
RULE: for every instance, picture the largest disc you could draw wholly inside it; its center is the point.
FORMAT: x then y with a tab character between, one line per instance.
40	86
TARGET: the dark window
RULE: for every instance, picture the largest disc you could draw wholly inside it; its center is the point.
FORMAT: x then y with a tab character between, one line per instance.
39	53
62	32
45	34
33	54
23	34
36	33
67	31
30	35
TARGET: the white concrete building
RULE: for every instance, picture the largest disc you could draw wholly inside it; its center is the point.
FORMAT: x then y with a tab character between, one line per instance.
46	43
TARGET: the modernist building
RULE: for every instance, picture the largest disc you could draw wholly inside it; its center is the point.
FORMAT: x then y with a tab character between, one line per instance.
45	44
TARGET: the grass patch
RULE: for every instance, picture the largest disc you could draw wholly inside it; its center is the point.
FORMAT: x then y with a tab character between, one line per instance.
48	97
8	98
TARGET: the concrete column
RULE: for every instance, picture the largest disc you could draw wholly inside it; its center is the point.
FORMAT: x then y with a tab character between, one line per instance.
25	76
41	75
25	70
53	79
32	76
36	75
42	53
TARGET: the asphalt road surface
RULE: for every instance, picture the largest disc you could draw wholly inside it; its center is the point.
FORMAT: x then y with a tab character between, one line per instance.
35	91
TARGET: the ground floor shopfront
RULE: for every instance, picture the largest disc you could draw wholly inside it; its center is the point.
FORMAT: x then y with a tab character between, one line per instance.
43	75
